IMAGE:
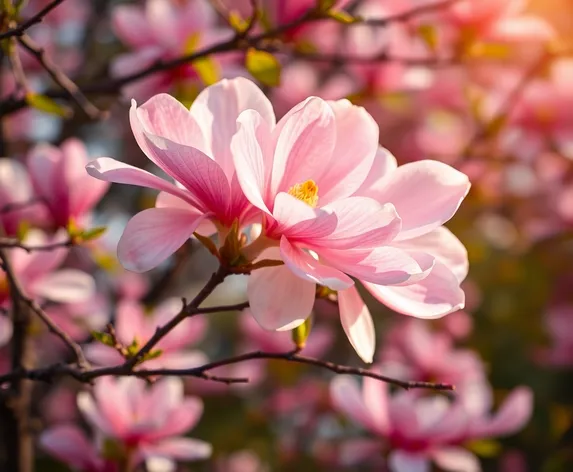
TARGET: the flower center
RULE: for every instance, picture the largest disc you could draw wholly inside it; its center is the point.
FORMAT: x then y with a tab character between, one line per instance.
306	192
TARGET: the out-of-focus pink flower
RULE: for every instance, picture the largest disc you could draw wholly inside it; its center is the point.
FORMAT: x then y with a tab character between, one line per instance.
421	429
241	461
163	30
194	148
145	424
559	323
60	180
59	405
133	324
18	204
412	351
69	444
37	273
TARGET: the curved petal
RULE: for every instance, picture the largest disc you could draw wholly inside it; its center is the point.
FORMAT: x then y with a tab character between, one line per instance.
384	163
196	171
153	235
377	400
167	200
353	155
426	194
217	108
433	297
252	157
278	299
347	398
130	25
69	444
357	323
308	268
111	170
65	286
305	138
185	449
442	244
402	461
453	459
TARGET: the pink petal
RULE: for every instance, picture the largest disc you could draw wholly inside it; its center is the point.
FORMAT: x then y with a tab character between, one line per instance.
217	108
308	268
130	322
65	286
513	415
102	355
305	138
181	419
384	265
433	297
126	64
167	200
357	323
130	25
185	449
356	136
111	170
252	157
376	399
442	244
362	223
347	398
402	461
164	116
279	300
453	459
426	194
153	235
300	221
198	173
523	28
384	163
357	451
69	444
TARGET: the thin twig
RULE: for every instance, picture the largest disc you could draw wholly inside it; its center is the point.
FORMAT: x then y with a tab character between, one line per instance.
37	18
61	79
218	309
12	243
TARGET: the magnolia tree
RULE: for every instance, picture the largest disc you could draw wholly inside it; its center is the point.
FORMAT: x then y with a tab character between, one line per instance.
223	242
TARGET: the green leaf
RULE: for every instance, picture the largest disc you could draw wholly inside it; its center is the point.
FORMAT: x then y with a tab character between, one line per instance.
342	17
263	66
485	448
94	233
208	243
237	22
206	68
47	105
103	338
300	333
152	355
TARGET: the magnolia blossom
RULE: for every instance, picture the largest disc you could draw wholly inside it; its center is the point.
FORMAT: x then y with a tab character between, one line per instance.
60	180
193	148
420	429
136	425
134	325
18	204
163	30
37	274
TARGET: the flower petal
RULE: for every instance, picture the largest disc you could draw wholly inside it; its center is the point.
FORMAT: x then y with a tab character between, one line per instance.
347	398
217	108
65	286
402	461
305	138
357	323
353	155
153	235
69	444
111	170
454	459
185	449
308	268
426	194
278	299
433	297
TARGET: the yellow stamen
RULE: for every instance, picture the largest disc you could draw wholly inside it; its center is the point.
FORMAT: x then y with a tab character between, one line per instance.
306	192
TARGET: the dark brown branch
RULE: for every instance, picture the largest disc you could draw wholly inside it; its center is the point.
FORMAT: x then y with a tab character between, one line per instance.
49	373
218	309
12	243
61	79
37	18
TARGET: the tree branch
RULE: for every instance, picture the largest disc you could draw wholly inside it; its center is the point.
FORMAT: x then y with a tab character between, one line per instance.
37	18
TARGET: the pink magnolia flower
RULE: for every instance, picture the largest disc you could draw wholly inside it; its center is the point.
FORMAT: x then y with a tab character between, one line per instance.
412	351
163	30
132	323
69	444
18	204
36	272
145	424
420	429
59	178
192	147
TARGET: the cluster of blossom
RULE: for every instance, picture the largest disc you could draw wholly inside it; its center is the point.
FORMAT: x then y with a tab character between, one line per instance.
289	187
